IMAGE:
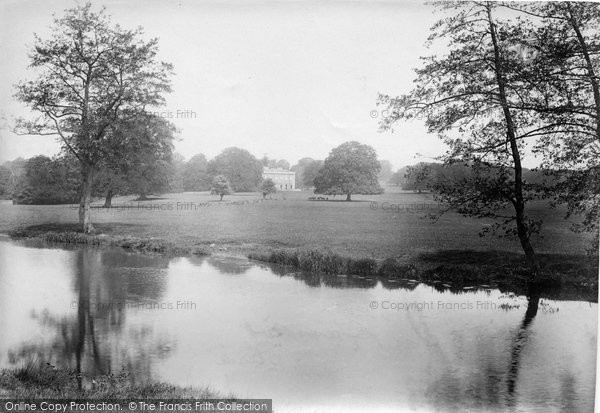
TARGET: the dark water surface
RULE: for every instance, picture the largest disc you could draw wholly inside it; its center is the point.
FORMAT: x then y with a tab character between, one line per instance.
309	343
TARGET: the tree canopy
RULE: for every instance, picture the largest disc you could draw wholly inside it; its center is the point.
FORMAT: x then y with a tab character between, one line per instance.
351	168
240	167
92	75
195	174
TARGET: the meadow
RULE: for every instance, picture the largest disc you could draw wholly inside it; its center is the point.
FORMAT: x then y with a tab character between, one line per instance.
393	224
390	225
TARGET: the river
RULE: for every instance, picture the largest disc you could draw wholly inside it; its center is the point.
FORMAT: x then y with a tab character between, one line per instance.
310	343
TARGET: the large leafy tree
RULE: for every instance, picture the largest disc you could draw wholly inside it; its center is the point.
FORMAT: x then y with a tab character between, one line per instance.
562	42
146	166
469	96
48	181
195	175
306	171
351	168
240	167
92	74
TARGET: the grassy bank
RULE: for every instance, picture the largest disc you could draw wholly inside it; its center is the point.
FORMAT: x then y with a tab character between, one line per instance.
71	234
446	269
454	269
49	382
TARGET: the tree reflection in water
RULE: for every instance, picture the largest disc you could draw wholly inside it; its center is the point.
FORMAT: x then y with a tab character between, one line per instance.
94	342
451	361
520	341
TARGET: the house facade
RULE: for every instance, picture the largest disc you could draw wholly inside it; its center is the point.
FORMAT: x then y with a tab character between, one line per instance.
284	180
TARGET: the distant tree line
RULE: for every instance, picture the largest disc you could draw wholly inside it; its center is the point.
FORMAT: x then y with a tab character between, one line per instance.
151	167
428	176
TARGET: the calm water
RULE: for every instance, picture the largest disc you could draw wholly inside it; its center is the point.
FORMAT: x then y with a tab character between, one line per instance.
309	343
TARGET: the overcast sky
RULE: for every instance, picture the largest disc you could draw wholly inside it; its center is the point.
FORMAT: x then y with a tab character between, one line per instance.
286	79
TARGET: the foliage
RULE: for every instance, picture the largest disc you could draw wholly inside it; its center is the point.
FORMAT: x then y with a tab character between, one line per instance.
351	168
469	96
283	164
418	177
306	171
386	172
239	166
563	63
176	179
274	163
10	173
147	166
92	76
195	174
220	186
48	181
267	187
398	178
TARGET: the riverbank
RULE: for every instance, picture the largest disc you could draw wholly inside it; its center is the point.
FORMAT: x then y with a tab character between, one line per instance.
48	382
71	234
561	276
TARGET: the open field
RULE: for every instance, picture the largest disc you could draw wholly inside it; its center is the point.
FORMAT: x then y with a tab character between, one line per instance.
243	222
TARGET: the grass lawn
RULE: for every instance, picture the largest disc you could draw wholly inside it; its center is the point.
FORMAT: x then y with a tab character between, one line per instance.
243	223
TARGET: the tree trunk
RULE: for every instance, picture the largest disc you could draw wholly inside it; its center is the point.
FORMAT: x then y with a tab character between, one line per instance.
85	212
108	199
221	197
519	200
348	197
